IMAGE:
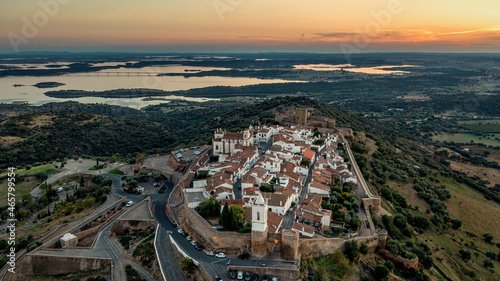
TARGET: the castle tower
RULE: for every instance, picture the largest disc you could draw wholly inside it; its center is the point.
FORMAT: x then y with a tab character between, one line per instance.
259	227
290	244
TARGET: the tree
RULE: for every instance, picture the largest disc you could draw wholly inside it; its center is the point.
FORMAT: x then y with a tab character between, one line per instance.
113	159
27	197
266	188
363	249
209	207
488	238
140	158
488	263
381	272
351	250
225	218
465	254
188	265
389	265
82	181
66	189
239	213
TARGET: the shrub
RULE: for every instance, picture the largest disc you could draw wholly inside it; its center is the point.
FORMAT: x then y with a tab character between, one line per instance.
381	272
389	265
363	249
351	250
188	265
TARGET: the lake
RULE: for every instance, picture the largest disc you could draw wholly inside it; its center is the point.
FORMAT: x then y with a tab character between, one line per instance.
35	96
384	69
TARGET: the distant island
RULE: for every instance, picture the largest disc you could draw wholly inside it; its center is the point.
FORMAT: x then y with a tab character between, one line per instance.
48	85
43	85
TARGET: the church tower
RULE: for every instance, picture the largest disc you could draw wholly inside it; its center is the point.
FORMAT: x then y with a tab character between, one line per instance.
259	227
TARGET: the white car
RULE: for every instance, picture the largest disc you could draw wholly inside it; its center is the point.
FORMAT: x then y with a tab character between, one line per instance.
180	230
129	203
193	243
188	238
220	255
210	254
275	279
240	275
140	188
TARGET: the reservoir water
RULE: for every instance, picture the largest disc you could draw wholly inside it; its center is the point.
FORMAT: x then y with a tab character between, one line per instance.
93	82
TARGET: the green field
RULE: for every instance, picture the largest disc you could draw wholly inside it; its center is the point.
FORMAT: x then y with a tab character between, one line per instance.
20	188
115	171
467	138
48	168
490	125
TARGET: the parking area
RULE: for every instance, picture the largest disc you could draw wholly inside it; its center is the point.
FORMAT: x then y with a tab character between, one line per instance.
191	153
149	187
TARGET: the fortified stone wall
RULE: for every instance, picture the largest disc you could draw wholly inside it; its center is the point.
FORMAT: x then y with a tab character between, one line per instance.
203	232
312	248
406	264
54	265
281	273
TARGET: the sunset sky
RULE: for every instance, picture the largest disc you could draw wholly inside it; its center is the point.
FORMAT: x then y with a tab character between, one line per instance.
251	25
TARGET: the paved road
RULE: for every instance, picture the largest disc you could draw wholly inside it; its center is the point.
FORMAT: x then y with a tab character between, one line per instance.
215	266
105	247
238	192
357	171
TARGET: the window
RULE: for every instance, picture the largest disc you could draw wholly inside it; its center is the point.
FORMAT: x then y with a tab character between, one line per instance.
258	216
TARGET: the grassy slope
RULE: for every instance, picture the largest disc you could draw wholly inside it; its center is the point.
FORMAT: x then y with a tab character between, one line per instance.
466	138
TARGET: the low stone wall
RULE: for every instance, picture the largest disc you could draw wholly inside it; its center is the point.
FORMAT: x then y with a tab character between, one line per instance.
86	238
281	273
54	265
312	248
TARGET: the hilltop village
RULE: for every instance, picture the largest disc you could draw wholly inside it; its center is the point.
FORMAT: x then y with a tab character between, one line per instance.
293	181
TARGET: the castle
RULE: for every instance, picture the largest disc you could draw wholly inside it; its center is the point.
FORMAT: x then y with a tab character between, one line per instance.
302	116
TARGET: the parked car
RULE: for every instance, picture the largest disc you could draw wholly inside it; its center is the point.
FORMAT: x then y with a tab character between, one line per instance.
193	243
244	256
248	276
199	247
275	278
210	254
156	184
240	275
262	264
255	277
140	188
265	278
174	224
220	255
232	274
188	238
217	278
180	230
129	203
60	189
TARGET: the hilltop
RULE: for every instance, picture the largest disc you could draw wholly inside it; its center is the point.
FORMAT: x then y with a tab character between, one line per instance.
432	205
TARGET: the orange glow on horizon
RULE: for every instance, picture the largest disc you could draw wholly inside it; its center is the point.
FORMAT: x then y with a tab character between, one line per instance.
261	25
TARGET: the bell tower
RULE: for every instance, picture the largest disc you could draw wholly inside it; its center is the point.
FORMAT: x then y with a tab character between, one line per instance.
259	227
